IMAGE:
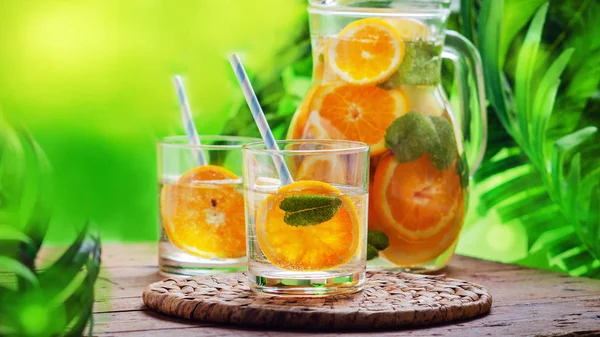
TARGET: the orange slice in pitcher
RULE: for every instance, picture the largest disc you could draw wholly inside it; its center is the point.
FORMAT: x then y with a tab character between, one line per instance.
203	217
358	113
331	169
307	248
415	199
366	51
409	29
373	219
305	124
420	208
407	253
322	72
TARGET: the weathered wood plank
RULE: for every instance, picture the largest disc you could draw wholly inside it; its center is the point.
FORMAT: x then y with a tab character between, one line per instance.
118	287
541	318
526	301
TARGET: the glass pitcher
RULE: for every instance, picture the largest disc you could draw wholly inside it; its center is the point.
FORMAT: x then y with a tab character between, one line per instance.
376	79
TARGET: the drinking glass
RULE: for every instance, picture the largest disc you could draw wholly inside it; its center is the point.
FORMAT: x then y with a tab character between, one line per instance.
201	219
307	237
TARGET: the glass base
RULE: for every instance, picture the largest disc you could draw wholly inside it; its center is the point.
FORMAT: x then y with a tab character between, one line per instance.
177	263
434	265
347	284
184	271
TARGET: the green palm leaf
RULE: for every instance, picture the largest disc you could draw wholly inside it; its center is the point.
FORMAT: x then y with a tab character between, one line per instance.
279	89
56	301
547	178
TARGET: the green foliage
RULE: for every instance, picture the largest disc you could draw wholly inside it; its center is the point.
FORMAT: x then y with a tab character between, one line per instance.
280	88
542	168
57	299
91	81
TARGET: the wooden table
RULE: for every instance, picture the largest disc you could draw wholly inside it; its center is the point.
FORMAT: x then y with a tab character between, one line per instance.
525	302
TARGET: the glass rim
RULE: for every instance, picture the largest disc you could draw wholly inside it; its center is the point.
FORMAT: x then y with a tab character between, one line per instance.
351	147
171	142
417	6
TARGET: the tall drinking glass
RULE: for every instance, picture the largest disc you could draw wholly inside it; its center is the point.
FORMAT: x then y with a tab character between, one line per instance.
202	228
307	237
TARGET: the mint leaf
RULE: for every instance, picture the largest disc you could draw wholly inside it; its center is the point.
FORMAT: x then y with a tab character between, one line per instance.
372	252
413	134
409	136
425	66
309	209
378	239
376	242
421	65
443	150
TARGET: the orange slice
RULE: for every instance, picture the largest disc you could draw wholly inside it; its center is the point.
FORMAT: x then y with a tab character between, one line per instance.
419	207
305	123
366	51
358	113
414	198
409	253
310	248
329	169
425	100
373	219
372	215
203	213
322	72
409	29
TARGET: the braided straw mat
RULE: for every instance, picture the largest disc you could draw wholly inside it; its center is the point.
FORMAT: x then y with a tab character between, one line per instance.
389	300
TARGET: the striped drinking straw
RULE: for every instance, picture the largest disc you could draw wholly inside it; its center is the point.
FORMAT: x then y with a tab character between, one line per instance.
259	117
188	121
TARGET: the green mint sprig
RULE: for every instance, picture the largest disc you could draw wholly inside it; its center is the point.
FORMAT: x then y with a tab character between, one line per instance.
376	241
309	209
413	134
372	252
421	65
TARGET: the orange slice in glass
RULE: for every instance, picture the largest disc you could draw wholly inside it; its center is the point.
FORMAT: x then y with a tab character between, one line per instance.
203	213
358	113
420	208
366	51
307	248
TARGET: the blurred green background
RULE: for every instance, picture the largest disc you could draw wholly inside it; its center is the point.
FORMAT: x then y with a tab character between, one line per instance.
92	82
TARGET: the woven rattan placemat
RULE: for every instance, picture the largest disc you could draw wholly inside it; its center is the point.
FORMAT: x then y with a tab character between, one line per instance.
389	300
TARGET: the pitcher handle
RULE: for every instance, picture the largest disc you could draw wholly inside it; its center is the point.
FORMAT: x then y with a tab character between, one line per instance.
470	84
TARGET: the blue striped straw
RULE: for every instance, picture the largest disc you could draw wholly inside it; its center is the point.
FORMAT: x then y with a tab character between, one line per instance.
188	121
259	117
